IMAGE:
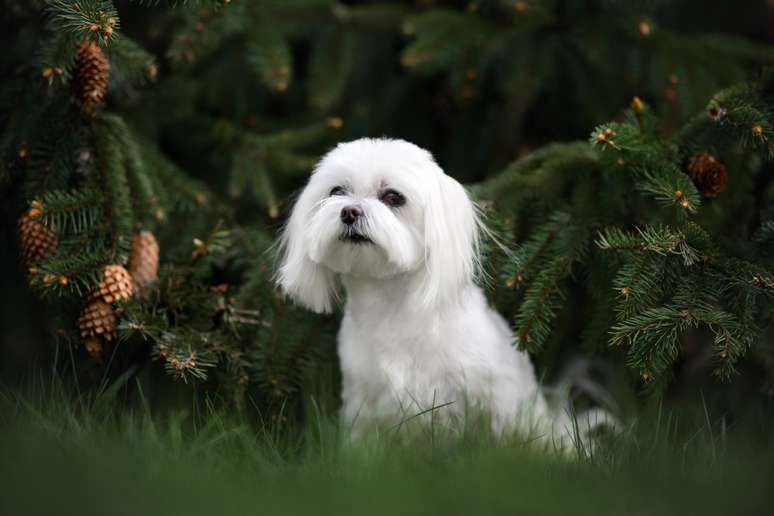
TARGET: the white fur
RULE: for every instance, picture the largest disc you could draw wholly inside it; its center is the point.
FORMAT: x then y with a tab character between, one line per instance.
417	332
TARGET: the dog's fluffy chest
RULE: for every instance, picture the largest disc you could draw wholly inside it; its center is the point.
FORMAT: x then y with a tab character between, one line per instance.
392	374
398	354
397	363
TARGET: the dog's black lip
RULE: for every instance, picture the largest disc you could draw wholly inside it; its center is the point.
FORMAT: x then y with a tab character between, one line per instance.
355	238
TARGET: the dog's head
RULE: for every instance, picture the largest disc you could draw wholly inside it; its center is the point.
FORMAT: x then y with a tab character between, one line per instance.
377	208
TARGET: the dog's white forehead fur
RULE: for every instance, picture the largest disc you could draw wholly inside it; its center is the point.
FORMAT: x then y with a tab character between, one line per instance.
369	164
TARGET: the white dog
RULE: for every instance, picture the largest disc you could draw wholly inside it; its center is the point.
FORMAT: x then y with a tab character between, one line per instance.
417	333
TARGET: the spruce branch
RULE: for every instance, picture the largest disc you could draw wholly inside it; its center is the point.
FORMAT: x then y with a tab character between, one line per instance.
66	274
639	285
743	111
297	138
132	62
117	202
652	337
145	198
74	211
331	67
528	255
539	308
249	174
543	172
444	38
185	364
269	56
189	193
55	58
660	239
83	18
289	163
205	29
669	187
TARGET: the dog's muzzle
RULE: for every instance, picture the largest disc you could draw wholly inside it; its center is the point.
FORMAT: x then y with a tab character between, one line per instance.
350	216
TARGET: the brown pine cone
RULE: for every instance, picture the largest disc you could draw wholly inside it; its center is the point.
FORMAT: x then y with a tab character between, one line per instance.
35	239
98	319
708	174
92	70
144	260
116	285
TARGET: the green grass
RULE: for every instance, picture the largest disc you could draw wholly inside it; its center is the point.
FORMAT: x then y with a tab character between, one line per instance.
64	453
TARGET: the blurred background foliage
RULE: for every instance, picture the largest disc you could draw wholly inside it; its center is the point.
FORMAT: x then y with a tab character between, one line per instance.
196	121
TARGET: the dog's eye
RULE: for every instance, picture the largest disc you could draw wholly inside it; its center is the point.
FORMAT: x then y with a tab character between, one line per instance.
339	190
392	198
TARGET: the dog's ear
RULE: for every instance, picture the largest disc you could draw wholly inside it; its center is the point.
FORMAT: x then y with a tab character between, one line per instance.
306	282
451	226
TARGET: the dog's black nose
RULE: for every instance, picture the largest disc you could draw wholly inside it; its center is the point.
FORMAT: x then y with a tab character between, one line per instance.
349	214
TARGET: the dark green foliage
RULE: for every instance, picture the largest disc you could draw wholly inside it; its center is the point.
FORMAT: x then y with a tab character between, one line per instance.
674	276
98	180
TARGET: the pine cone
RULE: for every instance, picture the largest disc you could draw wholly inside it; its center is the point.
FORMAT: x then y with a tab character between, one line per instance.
144	260
708	174
91	76
116	285
98	319
35	239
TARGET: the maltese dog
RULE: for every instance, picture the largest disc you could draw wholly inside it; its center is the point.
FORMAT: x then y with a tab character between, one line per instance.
417	337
